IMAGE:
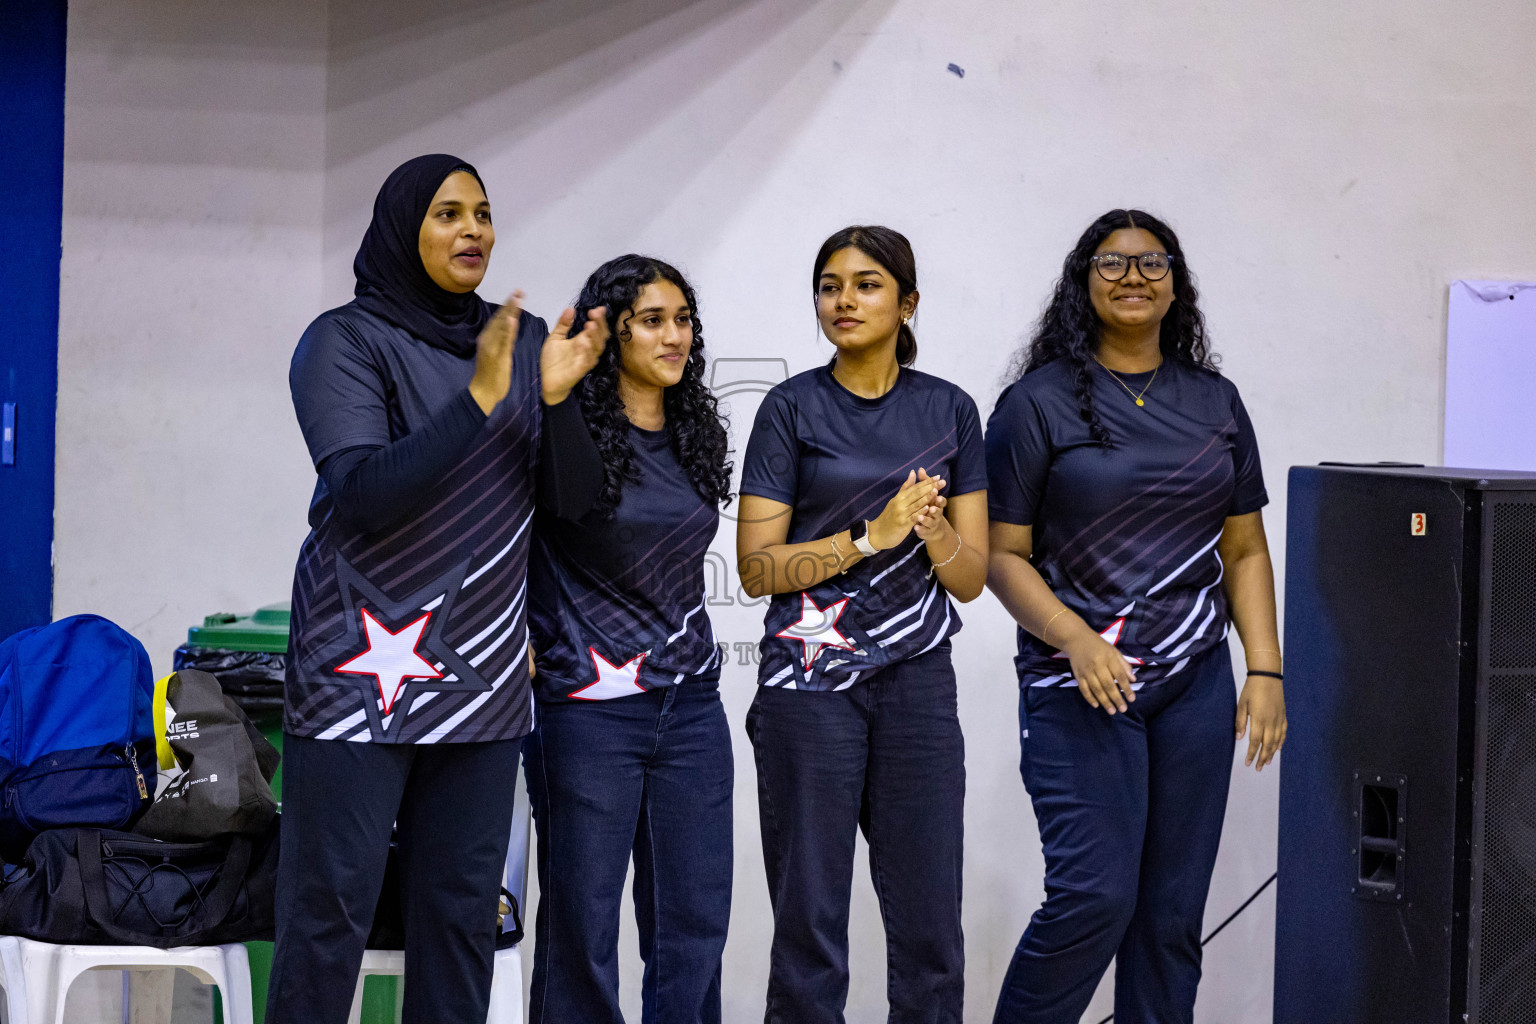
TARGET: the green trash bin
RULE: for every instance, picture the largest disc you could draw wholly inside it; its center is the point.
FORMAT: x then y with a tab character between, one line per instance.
248	654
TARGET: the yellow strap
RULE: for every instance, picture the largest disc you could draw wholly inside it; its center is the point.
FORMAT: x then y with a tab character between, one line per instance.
162	745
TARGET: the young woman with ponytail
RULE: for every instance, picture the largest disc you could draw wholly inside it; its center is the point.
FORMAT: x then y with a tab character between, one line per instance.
1124	493
631	754
863	510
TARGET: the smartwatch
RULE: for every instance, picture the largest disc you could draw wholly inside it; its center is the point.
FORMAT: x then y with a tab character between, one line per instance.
859	531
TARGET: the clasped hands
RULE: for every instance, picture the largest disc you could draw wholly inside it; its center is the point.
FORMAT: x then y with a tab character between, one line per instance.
916	507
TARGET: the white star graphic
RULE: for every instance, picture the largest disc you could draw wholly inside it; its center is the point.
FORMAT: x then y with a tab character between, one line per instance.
613	680
1111	634
817	628
391	658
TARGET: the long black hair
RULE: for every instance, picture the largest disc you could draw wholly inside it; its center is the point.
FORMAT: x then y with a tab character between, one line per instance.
695	426
891	250
1070	329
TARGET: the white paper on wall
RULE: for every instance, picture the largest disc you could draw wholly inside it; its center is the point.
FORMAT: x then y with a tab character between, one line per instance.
1490	375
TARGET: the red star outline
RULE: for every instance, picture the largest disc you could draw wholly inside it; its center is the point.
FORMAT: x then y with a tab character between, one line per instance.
369	623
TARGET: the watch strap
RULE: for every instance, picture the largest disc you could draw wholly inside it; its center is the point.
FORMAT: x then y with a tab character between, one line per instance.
860	534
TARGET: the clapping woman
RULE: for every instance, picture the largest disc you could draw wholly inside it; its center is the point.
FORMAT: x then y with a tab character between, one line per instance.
632	754
1125	490
426	412
863	510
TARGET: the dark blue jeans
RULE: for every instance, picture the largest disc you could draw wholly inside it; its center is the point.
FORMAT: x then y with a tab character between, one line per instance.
1130	810
650	775
452	805
885	756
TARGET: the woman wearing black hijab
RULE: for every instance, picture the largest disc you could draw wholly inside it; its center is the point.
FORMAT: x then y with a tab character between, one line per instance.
428	414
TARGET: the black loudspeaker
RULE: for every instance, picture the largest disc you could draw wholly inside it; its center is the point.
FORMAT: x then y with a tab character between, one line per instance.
1407	844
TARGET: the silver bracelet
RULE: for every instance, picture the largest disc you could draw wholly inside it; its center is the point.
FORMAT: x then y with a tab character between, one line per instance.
951	558
837	553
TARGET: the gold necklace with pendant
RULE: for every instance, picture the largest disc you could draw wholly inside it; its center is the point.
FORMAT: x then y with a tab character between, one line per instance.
1127	387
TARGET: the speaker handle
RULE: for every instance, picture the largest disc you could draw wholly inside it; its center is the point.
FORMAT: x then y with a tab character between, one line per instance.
1380	835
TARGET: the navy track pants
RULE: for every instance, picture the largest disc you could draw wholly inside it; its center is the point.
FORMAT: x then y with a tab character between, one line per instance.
1130	809
884	756
453	806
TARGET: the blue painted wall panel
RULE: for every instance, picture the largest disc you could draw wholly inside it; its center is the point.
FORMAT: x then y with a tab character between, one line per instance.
32	44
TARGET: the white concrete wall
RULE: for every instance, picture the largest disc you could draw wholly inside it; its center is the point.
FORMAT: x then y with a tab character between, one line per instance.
1330	168
192	239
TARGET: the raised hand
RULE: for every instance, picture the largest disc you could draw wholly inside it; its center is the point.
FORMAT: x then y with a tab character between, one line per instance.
893	524
565	359
493	355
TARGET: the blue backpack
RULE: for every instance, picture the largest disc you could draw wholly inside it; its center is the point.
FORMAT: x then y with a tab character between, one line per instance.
77	741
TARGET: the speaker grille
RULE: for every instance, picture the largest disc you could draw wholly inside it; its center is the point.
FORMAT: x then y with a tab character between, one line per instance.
1507	960
1512	602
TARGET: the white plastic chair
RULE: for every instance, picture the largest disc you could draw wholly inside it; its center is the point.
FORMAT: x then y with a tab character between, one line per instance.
37	975
506	1006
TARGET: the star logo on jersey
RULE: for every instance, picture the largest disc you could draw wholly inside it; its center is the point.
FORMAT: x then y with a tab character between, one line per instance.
1111	635
395	648
613	680
817	629
391	658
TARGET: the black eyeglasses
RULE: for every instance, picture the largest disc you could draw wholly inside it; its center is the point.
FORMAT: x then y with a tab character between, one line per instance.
1112	266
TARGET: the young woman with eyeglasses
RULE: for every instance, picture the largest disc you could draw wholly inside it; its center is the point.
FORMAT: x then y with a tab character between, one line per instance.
863	510
1124	493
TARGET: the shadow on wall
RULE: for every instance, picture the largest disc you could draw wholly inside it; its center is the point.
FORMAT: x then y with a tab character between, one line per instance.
175	84
530	86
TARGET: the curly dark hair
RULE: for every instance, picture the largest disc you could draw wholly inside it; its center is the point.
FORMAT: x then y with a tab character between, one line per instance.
694	423
1070	329
891	250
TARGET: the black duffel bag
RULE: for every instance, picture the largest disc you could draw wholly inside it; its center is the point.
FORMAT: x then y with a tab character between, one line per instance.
99	887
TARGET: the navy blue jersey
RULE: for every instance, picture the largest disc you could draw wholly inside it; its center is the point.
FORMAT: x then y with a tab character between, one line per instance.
617	604
838	458
414	633
1126	535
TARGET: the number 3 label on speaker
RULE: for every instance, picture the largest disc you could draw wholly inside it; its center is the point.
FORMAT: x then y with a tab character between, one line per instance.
1418	524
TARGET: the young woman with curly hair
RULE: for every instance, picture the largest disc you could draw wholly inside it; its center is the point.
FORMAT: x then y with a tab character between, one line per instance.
1124	492
863	510
631	754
